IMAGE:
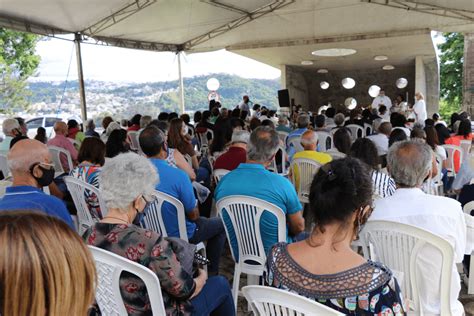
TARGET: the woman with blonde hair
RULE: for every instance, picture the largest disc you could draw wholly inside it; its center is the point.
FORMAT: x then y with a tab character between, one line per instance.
39	275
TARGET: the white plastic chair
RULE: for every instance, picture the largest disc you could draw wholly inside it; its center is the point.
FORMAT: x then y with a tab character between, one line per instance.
4	166
469	282
357	131
436	183
202	138
335	154
268	301
133	136
217	174
324	141
153	219
283	158
109	266
307	168
295	142
283	136
469	207
78	190
451	150
368	129
466	147
244	213
398	246
56	154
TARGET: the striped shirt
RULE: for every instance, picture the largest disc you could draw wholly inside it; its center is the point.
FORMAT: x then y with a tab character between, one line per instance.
383	185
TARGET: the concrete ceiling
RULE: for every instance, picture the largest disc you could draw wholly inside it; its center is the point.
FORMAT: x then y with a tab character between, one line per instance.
400	50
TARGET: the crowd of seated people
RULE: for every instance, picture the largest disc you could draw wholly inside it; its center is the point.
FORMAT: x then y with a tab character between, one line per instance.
391	167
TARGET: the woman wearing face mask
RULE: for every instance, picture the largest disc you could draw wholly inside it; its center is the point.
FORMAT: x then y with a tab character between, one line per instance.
182	293
324	267
179	139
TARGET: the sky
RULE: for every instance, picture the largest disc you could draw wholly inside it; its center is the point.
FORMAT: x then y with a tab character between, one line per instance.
128	65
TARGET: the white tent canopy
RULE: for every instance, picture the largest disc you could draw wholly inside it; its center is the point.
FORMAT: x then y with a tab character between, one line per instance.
204	25
276	32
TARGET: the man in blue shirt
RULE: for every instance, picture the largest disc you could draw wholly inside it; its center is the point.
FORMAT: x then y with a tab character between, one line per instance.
253	180
176	183
303	122
30	165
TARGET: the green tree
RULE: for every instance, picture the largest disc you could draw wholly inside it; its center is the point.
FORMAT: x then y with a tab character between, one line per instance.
451	72
18	61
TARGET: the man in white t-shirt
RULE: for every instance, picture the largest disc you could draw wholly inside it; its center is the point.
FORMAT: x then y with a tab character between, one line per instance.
382	99
409	163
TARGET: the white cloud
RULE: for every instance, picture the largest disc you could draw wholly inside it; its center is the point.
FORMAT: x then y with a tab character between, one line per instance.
121	64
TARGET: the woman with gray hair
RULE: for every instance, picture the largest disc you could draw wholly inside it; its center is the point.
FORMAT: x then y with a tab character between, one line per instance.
127	182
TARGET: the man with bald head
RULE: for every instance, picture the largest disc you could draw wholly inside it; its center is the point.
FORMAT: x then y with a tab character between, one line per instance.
30	164
309	141
61	140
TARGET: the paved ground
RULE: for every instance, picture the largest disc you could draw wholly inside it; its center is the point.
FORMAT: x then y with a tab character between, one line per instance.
227	269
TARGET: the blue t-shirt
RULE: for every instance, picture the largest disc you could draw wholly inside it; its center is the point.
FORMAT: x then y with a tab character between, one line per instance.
33	199
175	182
255	181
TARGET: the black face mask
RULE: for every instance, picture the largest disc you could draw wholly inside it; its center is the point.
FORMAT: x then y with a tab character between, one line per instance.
46	178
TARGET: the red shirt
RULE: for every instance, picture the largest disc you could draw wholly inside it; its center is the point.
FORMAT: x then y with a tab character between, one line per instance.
133	128
231	159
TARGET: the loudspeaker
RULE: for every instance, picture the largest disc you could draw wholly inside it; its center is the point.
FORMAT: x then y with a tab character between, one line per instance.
283	98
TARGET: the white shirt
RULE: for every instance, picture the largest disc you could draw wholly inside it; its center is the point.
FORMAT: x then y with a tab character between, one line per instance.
382	100
441	216
381	142
420	111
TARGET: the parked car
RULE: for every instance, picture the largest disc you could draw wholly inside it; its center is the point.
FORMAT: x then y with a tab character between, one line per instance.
47	122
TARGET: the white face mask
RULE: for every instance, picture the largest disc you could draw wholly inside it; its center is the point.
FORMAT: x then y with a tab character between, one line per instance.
185	129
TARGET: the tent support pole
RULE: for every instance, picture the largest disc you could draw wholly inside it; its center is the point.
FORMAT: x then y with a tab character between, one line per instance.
82	90
181	85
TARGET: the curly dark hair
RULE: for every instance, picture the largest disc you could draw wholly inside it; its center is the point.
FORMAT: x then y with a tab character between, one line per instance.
116	143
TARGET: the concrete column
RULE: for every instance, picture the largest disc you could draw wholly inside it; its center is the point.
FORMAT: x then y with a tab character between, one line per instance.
468	71
420	76
283	77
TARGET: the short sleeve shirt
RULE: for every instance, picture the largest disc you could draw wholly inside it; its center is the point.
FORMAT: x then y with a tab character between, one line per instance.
33	199
254	180
176	183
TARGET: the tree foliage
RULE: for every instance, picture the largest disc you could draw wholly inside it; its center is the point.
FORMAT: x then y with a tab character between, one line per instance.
18	61
451	71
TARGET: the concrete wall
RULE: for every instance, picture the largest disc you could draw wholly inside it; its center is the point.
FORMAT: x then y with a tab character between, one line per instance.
301	81
432	84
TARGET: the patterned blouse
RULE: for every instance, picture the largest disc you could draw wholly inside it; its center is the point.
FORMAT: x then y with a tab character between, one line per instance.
368	289
89	174
152	251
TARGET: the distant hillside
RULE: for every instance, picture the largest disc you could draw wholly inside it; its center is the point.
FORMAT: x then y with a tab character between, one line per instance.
126	99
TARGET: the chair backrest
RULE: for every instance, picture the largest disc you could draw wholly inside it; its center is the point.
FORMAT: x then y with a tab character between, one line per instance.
468	207
109	266
439	165
281	153
79	191
399	246
56	154
245	213
269	301
133	135
306	169
368	129
295	142
283	136
153	218
336	154
466	147
357	131
203	138
4	166
451	151
217	174
325	142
